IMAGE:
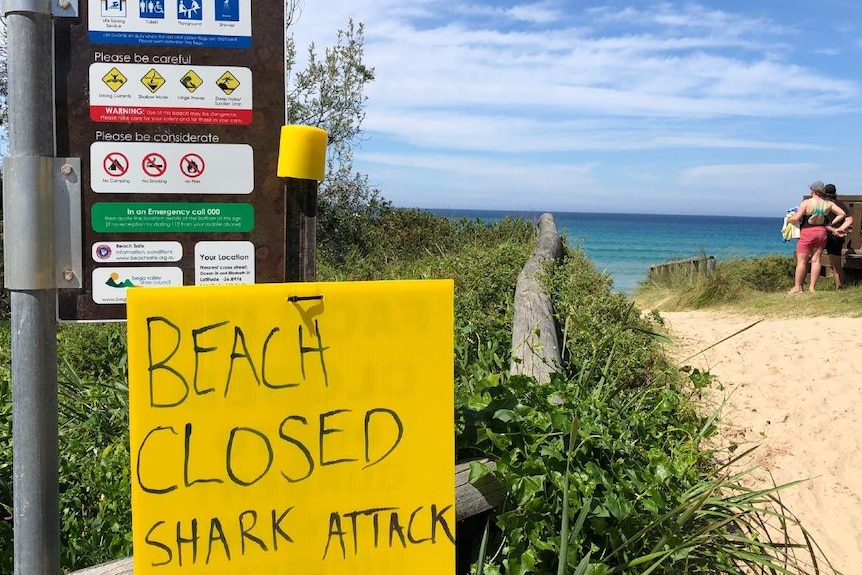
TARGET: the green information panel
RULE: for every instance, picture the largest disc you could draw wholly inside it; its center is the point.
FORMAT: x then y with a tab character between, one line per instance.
147	217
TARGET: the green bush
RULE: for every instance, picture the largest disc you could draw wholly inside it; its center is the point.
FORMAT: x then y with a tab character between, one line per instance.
767	274
731	281
95	513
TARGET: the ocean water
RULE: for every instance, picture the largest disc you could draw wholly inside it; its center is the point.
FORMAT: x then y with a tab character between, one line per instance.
626	245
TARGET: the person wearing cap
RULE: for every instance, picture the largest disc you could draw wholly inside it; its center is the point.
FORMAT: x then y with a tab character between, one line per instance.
811	217
837	233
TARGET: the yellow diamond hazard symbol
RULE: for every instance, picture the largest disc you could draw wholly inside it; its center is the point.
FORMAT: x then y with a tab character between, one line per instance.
153	80
114	79
228	83
191	81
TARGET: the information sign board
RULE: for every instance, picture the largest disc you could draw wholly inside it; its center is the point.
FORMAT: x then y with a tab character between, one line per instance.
175	110
187	23
292	428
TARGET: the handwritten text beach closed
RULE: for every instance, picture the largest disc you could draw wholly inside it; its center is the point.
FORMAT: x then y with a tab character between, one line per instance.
288	428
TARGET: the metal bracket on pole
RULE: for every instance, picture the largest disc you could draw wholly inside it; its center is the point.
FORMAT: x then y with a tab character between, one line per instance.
60	8
67	223
28	243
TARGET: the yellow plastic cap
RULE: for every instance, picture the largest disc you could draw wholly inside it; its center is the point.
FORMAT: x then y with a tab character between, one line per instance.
302	153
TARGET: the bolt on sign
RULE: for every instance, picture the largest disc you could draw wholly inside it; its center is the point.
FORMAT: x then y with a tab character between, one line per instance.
292	428
174	109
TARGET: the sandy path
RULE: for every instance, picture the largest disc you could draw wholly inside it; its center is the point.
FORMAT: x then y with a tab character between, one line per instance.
794	388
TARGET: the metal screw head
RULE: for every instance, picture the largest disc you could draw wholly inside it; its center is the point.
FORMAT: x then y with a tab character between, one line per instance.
68	275
64	4
66	170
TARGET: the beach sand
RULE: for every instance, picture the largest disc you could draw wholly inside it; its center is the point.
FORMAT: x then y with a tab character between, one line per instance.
793	388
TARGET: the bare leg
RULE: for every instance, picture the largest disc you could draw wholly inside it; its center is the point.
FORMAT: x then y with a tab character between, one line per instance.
801	270
815	268
837	270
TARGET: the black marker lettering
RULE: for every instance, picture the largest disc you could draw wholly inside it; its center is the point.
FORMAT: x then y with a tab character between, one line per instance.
410	528
239	337
277	530
269	458
437	517
199	350
320	349
246	532
163	364
215	525
159	545
266	382
397	421
335	529
324	431
395	527
187	456
299	445
138	463
193	539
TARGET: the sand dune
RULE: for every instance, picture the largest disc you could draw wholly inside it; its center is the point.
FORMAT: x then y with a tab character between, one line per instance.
793	387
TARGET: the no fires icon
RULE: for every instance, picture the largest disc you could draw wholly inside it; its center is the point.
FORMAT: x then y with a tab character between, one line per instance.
192	165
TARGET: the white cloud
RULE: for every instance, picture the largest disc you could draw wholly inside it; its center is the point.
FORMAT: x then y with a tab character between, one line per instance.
554	77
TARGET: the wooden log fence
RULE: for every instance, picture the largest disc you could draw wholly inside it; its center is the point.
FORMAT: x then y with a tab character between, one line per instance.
535	340
535	352
694	266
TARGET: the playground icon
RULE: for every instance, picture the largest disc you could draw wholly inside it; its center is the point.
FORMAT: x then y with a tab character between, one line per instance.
189	10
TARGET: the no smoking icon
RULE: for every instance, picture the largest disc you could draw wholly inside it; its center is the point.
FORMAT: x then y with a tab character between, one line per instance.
192	165
154	165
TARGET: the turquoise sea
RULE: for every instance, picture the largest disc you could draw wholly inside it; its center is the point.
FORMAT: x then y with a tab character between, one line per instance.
626	245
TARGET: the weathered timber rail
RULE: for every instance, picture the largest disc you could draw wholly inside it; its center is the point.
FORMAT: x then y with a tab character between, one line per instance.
535	339
694	266
535	352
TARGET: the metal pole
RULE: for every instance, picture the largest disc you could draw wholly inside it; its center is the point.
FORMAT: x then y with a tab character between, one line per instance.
29	241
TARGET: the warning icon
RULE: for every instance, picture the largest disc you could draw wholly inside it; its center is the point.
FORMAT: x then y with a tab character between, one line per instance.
191	81
114	79
228	83
153	80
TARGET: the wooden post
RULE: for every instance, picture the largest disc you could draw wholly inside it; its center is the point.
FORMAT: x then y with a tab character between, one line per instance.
300	230
535	345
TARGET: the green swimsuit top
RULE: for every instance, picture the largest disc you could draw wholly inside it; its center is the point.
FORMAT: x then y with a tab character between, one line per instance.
817	217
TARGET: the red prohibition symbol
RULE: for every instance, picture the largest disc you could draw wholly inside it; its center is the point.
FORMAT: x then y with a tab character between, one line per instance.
154	165
116	164
192	165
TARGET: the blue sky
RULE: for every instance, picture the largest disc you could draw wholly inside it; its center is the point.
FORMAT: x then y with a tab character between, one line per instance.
685	108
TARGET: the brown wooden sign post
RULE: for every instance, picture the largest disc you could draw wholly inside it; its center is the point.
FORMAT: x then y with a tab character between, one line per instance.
174	109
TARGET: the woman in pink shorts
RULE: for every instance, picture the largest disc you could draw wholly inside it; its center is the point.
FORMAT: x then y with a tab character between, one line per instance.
811	217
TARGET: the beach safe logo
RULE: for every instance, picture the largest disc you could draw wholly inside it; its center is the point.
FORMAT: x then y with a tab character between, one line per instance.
103	251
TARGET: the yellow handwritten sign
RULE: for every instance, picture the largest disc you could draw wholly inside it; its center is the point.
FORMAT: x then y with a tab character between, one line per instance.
292	428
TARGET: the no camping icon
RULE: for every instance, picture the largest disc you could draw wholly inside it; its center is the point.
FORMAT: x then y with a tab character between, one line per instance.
115	164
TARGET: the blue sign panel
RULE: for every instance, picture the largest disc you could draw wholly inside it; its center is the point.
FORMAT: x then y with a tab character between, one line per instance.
190	23
152	8
227	10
